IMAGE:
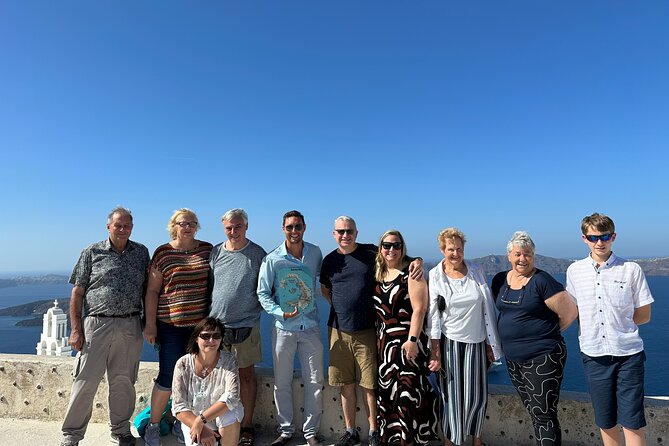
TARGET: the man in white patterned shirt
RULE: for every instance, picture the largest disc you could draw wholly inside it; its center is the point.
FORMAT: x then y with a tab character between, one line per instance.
613	300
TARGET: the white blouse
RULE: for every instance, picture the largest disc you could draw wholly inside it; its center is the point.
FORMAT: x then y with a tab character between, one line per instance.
190	393
439	286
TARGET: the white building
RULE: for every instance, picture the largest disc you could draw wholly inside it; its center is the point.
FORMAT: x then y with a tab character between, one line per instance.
53	340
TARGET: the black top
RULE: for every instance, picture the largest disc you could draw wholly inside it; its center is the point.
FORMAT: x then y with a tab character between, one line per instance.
527	327
350	277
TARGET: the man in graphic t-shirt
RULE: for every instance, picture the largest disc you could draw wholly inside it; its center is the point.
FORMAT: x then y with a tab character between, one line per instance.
286	291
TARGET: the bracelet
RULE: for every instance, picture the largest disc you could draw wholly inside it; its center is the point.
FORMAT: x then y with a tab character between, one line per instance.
413	339
204	420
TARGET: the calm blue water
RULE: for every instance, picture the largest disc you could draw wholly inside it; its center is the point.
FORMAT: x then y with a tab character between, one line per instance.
655	334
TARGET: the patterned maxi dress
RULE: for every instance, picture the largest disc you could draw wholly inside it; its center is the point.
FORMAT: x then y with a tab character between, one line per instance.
407	404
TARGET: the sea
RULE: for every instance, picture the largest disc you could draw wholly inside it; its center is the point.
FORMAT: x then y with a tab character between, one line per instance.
16	339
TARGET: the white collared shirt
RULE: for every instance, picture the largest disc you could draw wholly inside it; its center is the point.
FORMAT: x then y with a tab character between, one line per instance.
607	297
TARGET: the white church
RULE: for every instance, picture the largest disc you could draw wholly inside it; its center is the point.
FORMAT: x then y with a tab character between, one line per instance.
53	341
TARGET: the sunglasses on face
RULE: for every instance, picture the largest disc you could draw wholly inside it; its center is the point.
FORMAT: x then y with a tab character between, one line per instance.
345	231
388	245
594	238
210	336
291	228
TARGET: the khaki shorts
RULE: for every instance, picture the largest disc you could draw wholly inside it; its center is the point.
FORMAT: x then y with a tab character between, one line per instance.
249	351
353	358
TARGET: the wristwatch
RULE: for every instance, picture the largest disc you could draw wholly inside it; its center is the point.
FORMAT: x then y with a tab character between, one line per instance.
413	339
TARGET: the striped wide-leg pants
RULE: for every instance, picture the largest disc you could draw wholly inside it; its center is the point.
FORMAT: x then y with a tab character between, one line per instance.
464	389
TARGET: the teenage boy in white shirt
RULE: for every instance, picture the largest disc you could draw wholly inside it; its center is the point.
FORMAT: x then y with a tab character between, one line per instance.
613	300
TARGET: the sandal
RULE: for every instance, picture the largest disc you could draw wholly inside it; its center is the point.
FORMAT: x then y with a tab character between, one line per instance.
247	436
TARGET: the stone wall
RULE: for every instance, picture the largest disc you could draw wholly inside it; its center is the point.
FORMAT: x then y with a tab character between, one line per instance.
39	387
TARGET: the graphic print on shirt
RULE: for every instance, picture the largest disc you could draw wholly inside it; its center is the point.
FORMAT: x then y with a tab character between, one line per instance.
294	290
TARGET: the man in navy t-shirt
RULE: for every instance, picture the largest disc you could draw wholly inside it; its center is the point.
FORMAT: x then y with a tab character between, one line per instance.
347	282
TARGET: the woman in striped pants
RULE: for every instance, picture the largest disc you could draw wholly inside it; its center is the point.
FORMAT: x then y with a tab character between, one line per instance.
462	310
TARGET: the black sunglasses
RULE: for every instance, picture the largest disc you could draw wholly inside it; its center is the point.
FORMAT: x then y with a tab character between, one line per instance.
388	245
345	231
594	238
290	228
512	300
210	336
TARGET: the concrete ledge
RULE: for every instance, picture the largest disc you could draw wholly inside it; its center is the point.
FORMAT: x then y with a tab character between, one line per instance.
38	387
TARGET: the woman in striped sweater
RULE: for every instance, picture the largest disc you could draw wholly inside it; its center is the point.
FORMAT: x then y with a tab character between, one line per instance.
176	300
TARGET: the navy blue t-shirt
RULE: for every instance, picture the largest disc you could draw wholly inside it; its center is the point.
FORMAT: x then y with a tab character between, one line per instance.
350	277
527	327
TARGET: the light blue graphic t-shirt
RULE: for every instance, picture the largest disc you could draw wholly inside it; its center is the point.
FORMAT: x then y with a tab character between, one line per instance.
294	290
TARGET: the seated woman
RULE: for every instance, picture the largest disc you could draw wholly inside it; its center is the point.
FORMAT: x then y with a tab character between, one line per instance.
461	309
205	389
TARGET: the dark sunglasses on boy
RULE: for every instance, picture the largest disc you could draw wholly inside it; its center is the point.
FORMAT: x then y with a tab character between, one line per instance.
603	237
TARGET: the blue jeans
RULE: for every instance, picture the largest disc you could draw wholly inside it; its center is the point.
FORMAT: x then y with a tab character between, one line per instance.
173	342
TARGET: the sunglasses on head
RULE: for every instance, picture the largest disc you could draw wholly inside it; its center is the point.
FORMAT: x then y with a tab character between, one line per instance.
345	231
388	245
594	238
210	336
297	227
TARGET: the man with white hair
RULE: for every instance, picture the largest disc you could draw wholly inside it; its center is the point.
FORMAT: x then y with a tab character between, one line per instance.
109	285
234	268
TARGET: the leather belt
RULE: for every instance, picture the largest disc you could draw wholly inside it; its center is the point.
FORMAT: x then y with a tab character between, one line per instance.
136	313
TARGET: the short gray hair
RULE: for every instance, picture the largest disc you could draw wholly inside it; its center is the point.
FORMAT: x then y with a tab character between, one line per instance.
118	210
521	239
236	212
345	218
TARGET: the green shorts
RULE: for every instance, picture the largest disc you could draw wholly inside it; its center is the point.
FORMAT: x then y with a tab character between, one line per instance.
353	358
249	351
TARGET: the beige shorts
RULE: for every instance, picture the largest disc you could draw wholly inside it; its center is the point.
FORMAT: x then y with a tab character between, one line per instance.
249	351
353	358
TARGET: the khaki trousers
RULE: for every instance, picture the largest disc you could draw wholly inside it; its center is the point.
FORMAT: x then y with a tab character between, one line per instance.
112	345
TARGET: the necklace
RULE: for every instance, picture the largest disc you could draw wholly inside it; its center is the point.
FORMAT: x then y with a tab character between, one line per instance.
187	250
205	368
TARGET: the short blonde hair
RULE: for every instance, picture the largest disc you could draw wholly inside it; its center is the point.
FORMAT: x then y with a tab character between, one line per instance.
171	226
450	234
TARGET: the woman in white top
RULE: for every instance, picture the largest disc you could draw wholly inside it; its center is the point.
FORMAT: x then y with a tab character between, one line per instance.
462	309
205	389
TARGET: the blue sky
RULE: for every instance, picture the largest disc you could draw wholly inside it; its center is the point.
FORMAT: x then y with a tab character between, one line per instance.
485	115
